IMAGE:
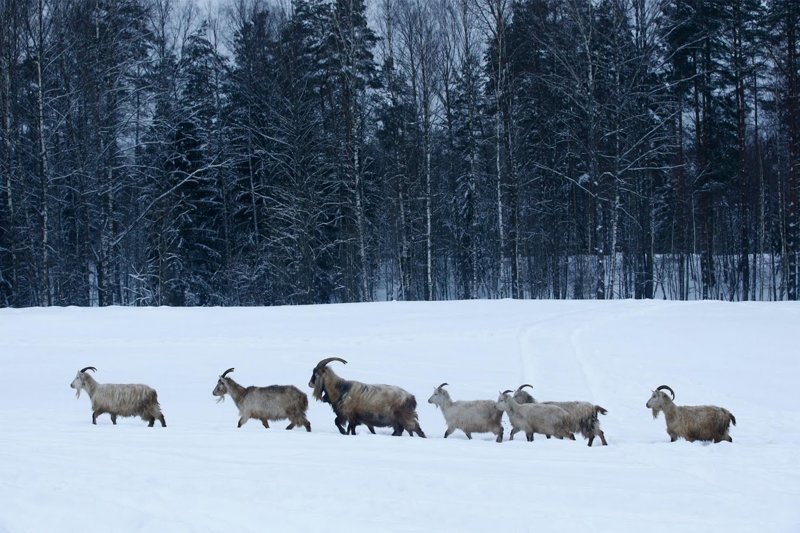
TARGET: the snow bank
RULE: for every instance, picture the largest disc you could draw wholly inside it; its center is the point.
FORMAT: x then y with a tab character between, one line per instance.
201	473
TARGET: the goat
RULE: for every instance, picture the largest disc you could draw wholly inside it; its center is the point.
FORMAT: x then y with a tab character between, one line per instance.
118	399
583	415
360	403
692	422
276	402
341	419
476	416
533	418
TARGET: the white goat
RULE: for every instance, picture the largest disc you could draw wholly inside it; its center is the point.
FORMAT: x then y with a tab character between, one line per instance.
583	415
118	399
476	416
692	422
276	402
533	418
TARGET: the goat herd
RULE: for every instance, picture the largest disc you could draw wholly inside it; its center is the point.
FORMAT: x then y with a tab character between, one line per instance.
356	403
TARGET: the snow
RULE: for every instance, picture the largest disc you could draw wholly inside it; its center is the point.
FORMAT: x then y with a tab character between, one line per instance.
201	473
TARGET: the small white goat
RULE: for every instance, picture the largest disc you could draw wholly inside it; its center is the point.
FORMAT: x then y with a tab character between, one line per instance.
475	416
533	418
583	415
118	399
692	422
276	402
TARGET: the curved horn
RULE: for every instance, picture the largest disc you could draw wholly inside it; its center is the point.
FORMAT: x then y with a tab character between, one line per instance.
328	360
93	369
226	372
664	387
523	386
442	385
507	391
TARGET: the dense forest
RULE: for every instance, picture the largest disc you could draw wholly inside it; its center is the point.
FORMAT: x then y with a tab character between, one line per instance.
164	152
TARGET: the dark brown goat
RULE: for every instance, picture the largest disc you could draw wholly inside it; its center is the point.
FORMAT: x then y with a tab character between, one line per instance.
360	403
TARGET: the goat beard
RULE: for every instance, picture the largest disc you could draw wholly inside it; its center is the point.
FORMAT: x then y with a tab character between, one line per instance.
655	412
319	392
221	399
78	393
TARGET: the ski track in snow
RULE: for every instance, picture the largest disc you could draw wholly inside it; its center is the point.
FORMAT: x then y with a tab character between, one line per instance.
201	473
527	343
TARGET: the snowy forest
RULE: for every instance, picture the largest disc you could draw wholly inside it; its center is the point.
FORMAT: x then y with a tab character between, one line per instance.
253	152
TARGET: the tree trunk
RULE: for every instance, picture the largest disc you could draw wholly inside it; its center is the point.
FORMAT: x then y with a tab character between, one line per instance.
44	174
501	235
681	223
793	117
758	262
362	245
7	234
741	111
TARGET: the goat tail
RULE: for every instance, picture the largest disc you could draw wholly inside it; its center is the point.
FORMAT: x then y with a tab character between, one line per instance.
600	410
303	402
733	418
410	403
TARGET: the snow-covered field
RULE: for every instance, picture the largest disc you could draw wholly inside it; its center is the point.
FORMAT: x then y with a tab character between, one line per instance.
58	472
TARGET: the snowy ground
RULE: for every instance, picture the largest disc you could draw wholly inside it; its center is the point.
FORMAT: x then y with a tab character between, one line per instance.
201	473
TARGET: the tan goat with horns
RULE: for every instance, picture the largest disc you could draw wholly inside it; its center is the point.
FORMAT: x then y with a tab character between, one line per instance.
276	402
118	399
692	422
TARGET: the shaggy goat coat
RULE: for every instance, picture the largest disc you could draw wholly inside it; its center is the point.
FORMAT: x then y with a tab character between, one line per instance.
119	399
